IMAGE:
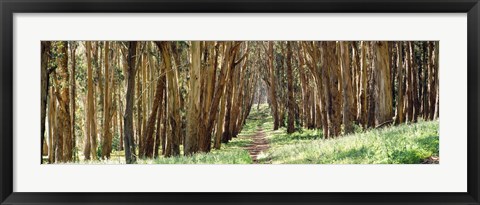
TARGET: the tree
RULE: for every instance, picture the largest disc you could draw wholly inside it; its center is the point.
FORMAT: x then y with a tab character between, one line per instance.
73	49
191	139
155	115
363	106
52	126
173	144
45	49
238	90
399	118
65	137
291	100
383	93
220	90
437	91
330	77
128	117
347	93
414	80
91	137
107	135
272	86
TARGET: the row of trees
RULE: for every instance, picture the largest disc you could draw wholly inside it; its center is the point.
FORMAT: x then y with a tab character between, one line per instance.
152	96
155	98
339	84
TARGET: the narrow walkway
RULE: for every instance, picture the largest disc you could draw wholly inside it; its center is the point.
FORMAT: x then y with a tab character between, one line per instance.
259	145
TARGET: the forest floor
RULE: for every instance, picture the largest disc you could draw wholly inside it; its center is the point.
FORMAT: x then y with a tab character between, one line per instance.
413	143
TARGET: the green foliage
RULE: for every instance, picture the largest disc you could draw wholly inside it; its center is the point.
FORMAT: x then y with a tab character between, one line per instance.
115	141
404	144
99	150
258	119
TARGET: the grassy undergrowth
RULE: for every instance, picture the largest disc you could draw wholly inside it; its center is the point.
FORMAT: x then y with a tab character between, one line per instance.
404	144
231	153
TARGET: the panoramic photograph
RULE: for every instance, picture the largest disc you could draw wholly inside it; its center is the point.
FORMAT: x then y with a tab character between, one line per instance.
239	102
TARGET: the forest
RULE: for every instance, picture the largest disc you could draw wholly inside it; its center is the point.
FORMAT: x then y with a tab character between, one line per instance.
239	102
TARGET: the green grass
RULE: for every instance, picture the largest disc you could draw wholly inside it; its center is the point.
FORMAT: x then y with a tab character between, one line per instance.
404	144
231	153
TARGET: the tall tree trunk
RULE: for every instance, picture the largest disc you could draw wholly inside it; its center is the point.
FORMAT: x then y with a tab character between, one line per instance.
144	104
139	109
273	97
45	49
228	69
238	96
52	126
90	145
409	85
431	81
128	117
158	134
149	140
332	85
363	85
355	80
437	84
371	83
148	148
320	102
305	112
64	103
73	48
291	100
107	135
414	72
192	138
346	88
227	135
173	138
207	94
220	89
97	61
232	104
120	123
94	135
424	80
383	100
399	108
164	122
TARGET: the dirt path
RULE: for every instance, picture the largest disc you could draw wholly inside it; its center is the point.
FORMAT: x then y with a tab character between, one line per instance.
431	160
260	144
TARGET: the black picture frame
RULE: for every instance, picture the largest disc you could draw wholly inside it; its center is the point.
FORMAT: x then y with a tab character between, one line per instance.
9	7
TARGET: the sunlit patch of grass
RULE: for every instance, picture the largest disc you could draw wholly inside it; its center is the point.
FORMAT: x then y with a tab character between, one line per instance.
404	144
214	157
230	153
280	137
